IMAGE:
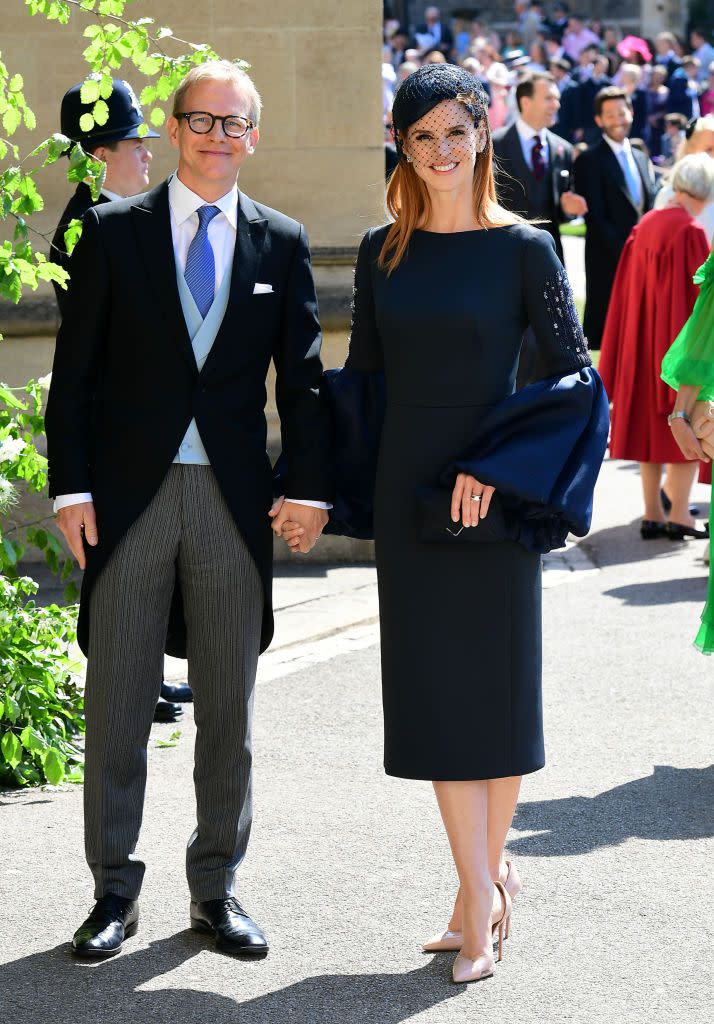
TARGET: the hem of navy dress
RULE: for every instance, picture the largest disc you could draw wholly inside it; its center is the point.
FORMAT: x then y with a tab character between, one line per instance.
440	776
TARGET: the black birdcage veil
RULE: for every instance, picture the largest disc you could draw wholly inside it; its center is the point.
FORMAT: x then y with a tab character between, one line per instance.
442	91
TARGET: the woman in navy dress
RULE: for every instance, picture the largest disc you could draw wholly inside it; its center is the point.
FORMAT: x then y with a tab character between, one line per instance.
443	296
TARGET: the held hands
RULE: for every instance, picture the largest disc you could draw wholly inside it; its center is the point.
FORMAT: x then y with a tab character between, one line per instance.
298	525
470	500
73	521
573	204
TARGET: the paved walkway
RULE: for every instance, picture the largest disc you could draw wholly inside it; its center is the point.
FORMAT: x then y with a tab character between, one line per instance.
348	870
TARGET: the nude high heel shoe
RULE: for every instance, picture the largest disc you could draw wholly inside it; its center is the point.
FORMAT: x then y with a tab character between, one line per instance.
444	942
466	970
450	941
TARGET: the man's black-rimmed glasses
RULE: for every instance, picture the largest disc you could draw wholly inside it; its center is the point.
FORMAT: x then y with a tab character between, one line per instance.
235	126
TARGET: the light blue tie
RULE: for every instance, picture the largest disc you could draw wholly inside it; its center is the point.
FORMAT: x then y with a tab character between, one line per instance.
200	270
632	179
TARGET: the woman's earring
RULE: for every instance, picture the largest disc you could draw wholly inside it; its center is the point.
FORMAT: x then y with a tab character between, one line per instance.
409	159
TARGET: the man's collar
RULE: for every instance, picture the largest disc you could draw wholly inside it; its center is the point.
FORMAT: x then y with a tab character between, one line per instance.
526	132
184	202
617	147
110	195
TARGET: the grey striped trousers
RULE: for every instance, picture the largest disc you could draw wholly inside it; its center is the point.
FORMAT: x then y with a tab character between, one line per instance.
186	530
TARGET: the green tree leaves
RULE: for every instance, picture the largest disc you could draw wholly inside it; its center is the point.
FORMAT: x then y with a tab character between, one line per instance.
41	705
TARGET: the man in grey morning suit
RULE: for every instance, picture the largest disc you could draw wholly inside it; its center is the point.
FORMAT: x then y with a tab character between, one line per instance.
156	418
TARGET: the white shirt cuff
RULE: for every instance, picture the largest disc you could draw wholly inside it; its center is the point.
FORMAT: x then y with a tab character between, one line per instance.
63	500
312	504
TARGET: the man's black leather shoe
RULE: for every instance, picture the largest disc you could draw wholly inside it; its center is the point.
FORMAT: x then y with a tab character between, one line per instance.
112	920
165	712
179	693
231	927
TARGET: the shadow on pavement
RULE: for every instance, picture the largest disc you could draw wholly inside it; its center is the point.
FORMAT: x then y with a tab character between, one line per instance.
663	592
622	545
52	986
672	803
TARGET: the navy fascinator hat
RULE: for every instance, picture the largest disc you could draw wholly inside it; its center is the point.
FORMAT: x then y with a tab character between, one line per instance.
431	85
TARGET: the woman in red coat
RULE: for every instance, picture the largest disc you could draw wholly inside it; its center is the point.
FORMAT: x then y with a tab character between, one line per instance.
651	299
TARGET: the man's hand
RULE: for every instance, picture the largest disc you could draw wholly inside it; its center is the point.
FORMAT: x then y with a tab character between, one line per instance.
75	520
298	525
573	204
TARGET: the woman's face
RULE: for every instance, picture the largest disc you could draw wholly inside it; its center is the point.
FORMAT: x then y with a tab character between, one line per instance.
702	142
444	145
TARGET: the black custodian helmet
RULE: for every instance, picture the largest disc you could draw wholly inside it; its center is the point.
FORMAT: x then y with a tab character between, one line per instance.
125	117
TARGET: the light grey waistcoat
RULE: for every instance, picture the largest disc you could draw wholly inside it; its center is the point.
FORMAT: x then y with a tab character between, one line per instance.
202	334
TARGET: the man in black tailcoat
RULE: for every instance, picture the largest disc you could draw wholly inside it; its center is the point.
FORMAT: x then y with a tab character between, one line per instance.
157	412
618	183
533	164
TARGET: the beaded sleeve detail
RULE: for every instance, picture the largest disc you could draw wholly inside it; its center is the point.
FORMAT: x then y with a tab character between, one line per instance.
564	318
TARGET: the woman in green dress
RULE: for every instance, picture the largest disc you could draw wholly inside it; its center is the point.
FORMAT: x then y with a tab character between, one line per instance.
688	367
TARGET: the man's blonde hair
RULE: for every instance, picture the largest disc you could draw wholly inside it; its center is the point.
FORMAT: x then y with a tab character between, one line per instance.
224	71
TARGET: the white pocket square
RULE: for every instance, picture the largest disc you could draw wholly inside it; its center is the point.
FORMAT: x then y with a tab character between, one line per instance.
262	289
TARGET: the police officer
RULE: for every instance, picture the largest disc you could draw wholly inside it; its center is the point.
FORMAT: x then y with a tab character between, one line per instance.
118	144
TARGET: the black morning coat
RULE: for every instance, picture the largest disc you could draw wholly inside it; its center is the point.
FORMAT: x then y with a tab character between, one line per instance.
75	209
514	178
125	383
611	216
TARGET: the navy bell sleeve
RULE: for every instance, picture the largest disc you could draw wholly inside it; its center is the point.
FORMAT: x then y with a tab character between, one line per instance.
355	397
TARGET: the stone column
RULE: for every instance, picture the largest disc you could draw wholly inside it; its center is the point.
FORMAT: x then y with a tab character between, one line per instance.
663	16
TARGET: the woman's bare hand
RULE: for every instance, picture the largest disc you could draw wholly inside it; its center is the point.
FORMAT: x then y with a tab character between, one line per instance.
470	500
687	441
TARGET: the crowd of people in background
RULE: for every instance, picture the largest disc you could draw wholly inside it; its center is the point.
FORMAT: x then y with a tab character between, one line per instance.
670	81
613	132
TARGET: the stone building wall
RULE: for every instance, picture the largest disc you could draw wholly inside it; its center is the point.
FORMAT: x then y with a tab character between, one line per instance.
316	63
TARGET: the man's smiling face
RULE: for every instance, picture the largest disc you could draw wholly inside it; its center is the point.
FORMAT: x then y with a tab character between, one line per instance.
213	159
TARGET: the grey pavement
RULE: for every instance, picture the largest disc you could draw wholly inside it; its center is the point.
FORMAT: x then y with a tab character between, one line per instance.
348	869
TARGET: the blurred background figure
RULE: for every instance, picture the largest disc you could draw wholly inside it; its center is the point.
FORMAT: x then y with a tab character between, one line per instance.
702	49
706	99
657	97
530	22
534	165
634	50
666	52
630	78
618	185
389	80
499	81
405	70
434	33
577	37
652	297
674	135
698	138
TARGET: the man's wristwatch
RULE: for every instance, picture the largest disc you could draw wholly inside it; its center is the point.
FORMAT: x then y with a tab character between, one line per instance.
681	415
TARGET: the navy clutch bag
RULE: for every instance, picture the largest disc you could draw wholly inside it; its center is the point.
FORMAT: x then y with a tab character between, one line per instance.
435	526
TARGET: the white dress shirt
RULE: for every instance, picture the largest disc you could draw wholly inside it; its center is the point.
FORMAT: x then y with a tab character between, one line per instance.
222	230
624	148
527	135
